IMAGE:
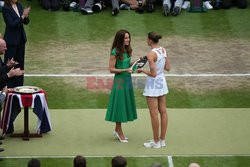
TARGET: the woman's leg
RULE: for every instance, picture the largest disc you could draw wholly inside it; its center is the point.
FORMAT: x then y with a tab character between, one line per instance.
118	129
153	109
164	116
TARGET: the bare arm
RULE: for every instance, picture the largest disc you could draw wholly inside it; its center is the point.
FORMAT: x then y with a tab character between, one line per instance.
112	69
151	60
167	65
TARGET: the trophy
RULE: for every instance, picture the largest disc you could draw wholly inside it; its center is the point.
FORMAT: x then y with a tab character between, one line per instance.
196	6
139	63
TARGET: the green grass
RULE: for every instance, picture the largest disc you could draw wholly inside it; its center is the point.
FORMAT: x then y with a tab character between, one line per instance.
73	27
60	25
65	95
234	161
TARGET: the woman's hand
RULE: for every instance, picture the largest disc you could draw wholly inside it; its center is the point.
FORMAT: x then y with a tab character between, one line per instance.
26	12
140	71
129	70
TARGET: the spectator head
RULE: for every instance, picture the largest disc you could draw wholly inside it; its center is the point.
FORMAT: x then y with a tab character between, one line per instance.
34	163
194	165
79	161
119	161
154	37
157	165
3	47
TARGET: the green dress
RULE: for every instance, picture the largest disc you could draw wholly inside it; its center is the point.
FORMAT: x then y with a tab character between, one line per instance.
121	105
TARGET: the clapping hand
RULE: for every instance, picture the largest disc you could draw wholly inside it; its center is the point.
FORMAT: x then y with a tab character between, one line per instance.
11	63
26	12
5	89
15	72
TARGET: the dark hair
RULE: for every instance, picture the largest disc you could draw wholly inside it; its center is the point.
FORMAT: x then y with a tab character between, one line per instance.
154	37
119	161
7	2
79	161
34	163
118	44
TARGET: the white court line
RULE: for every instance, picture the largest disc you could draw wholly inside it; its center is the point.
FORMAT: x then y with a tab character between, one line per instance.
111	75
170	161
110	156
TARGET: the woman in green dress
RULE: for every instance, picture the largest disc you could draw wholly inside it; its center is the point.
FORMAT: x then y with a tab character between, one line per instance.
121	106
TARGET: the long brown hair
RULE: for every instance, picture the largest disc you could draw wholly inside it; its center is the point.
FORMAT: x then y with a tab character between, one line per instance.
118	44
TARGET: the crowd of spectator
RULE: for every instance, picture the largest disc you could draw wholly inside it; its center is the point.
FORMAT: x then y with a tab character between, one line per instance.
117	161
169	7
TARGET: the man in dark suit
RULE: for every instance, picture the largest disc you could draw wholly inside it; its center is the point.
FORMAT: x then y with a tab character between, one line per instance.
6	72
14	17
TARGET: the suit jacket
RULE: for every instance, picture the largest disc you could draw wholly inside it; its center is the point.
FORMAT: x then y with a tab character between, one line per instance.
14	31
3	74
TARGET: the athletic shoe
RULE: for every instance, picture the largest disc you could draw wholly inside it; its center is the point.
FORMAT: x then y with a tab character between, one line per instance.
115	12
72	4
163	143
207	5
166	10
176	11
1	149
86	11
124	7
152	144
97	7
186	4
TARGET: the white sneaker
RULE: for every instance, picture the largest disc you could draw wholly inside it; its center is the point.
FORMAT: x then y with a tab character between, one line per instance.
72	4
207	5
86	11
152	144
186	4
163	143
97	7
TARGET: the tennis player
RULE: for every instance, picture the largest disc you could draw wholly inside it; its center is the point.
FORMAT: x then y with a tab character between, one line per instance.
156	89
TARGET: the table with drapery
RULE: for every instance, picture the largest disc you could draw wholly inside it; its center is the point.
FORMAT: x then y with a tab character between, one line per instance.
12	107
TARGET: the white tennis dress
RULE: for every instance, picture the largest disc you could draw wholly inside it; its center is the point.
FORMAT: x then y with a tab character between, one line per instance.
157	86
